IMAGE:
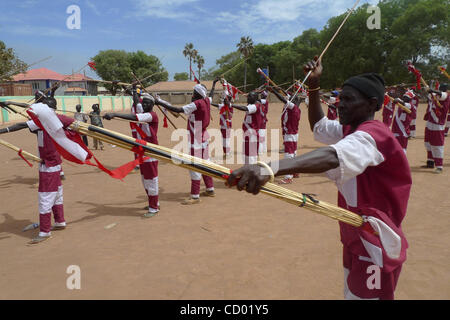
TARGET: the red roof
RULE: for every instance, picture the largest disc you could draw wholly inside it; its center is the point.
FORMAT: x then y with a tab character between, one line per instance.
77	77
46	74
75	89
38	74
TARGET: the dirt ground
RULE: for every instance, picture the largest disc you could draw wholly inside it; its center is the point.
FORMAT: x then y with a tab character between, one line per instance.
233	246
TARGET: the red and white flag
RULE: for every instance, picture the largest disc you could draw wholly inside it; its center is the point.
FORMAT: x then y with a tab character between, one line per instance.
195	78
230	90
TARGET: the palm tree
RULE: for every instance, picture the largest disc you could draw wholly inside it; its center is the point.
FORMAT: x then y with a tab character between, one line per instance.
188	52
200	63
245	47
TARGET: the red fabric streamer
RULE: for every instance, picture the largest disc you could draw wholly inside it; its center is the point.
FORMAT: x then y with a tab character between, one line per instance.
20	155
417	73
118	173
165	125
386	100
91	64
195	78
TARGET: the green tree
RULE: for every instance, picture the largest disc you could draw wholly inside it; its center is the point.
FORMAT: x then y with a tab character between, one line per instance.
119	65
190	53
10	64
181	76
245	47
200	61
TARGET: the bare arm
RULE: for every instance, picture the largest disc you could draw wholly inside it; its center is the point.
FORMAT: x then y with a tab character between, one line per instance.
19	104
315	112
14	127
126	116
211	93
168	106
250	178
278	95
242	108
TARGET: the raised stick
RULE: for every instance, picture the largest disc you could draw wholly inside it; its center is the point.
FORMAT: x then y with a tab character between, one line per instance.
328	45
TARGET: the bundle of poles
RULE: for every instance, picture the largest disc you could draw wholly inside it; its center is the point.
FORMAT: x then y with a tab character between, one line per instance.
216	171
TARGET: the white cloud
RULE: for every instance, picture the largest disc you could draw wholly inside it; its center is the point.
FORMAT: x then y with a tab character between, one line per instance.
41	31
93	8
163	8
269	21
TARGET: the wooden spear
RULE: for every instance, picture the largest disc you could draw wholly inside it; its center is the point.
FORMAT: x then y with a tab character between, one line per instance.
158	105
328	45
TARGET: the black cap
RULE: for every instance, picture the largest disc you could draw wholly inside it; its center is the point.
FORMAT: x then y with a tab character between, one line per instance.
369	84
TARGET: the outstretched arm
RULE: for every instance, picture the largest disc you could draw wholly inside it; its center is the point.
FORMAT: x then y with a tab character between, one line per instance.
242	108
278	95
315	112
126	116
167	105
14	127
252	180
211	93
19	104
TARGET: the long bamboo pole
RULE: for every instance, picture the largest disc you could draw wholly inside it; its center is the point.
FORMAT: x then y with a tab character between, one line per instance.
216	171
26	154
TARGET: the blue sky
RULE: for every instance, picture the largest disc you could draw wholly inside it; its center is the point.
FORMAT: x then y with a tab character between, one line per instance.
37	29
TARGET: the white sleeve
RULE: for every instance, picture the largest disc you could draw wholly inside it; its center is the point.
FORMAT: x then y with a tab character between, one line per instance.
144	117
332	100
289	105
263	101
210	99
328	131
355	152
139	108
407	105
444	96
189	108
32	126
251	108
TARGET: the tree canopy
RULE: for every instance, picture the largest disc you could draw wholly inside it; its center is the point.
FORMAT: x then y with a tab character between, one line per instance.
119	65
411	30
10	64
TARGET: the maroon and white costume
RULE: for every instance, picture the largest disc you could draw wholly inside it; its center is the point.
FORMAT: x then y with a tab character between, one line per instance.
374	181
400	127
290	118
435	128
50	192
388	111
149	169
447	127
332	108
226	116
250	126
262	132
414	105
199	113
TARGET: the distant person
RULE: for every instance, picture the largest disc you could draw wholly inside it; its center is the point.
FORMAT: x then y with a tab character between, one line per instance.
82	117
96	120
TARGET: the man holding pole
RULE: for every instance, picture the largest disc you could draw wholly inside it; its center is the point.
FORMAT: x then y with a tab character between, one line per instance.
50	186
199	112
438	107
147	131
364	159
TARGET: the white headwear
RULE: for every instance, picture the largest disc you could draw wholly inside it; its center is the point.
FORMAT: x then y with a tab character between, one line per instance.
201	90
148	96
